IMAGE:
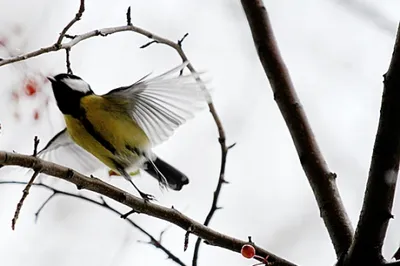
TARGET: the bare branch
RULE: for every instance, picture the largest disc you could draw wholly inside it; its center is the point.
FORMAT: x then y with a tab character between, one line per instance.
214	204
103	204
322	181
139	205
67	60
378	200
71	23
28	185
21	201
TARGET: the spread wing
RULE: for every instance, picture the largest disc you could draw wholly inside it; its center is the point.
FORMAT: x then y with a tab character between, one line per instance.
161	104
61	149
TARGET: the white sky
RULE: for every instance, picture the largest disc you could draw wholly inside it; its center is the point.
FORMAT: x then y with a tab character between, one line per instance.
336	58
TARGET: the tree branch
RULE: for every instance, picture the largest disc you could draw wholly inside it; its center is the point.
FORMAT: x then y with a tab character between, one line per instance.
214	206
72	22
381	185
153	241
27	187
322	181
139	205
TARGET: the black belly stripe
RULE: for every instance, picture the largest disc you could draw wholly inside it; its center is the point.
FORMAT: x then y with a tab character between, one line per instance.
96	135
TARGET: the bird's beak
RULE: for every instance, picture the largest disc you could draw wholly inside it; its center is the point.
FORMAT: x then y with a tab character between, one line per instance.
51	79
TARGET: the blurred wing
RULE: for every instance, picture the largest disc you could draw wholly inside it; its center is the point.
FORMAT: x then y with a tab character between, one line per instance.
161	104
62	150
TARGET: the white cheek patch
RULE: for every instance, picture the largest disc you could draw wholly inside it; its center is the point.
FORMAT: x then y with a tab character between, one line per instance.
77	85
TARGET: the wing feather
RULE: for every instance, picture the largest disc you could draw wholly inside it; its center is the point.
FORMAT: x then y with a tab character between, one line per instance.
61	149
161	104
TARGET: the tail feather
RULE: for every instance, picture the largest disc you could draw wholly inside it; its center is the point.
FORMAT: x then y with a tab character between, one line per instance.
164	172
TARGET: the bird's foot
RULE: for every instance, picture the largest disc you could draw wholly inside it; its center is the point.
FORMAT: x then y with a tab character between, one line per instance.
146	197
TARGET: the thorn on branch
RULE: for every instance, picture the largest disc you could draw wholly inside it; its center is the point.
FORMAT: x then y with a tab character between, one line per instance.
231	146
70	36
35	146
224	181
124	216
100	33
148	44
67	59
182	39
186	242
250	241
128	17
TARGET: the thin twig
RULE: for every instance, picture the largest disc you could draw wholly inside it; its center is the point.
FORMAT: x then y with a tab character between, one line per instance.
72	22
214	204
128	17
147	44
322	181
28	185
67	60
153	241
21	201
139	205
381	185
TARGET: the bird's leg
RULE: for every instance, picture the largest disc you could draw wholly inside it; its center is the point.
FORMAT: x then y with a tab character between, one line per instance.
146	197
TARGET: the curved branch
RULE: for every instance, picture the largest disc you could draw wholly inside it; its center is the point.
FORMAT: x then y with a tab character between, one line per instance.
138	205
382	179
322	181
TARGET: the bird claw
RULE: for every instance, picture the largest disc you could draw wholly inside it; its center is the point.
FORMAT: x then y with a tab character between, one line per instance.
147	197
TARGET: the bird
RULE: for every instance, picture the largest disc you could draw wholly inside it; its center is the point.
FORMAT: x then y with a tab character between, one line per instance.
119	129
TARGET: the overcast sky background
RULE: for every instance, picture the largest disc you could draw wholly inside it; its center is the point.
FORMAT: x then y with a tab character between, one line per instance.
336	52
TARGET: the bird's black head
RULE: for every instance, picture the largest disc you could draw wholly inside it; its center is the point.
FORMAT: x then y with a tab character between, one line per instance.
68	90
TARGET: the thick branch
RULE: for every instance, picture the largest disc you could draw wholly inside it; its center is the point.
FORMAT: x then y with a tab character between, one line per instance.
378	199
167	214
322	181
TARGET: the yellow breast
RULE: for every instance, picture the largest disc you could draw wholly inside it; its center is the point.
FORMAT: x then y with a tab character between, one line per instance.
114	125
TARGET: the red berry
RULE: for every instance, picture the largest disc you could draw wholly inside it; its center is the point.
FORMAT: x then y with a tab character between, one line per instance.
248	251
31	87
